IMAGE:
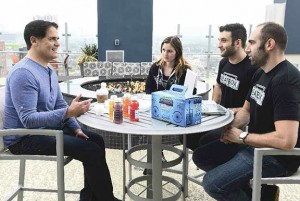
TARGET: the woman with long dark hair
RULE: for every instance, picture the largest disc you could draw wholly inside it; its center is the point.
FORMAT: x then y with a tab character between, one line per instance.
169	69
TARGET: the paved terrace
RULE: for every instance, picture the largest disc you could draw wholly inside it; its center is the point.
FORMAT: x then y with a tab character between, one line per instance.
43	174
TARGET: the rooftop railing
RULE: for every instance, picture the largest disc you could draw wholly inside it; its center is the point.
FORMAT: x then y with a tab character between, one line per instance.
204	64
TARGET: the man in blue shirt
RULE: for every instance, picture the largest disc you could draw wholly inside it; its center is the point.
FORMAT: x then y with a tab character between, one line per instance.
34	100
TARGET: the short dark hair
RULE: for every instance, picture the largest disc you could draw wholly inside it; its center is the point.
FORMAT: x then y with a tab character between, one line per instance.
37	28
274	31
237	30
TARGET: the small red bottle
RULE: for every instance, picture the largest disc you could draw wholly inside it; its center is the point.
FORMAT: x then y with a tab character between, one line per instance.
134	109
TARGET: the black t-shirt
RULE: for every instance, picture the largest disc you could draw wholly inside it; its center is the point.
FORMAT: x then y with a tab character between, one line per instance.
157	81
275	96
235	81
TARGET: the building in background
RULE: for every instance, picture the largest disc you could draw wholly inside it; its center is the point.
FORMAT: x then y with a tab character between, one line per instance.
125	27
3	65
50	18
286	13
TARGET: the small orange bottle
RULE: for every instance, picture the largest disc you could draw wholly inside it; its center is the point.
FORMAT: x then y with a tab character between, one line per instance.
111	106
134	109
126	105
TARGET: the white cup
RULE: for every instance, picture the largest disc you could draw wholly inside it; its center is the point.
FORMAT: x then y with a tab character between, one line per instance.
99	109
106	103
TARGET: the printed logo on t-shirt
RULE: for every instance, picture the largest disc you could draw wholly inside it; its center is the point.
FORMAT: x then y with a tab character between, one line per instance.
230	80
165	83
258	94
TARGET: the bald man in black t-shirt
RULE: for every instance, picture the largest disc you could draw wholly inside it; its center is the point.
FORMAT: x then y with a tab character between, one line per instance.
272	111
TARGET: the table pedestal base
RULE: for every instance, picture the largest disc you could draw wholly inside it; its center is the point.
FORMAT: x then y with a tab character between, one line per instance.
154	186
139	193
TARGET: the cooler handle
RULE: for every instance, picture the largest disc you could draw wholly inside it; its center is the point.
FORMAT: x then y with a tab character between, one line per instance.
178	89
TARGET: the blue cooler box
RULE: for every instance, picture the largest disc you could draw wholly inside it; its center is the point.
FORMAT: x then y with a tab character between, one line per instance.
174	107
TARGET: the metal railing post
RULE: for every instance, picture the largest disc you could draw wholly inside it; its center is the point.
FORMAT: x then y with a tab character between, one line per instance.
66	35
209	37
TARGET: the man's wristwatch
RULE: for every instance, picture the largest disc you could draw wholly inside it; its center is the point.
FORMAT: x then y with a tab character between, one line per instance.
243	136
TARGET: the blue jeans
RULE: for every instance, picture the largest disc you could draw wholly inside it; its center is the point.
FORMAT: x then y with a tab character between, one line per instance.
91	152
230	168
193	141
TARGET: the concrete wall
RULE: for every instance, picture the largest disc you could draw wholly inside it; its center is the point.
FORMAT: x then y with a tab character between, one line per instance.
279	1
275	13
130	22
294	59
291	24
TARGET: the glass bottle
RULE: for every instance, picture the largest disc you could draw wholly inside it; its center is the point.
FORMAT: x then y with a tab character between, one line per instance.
111	106
102	93
134	109
126	105
118	111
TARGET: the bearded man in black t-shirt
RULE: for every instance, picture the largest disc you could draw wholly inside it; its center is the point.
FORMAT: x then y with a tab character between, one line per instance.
235	69
232	84
272	111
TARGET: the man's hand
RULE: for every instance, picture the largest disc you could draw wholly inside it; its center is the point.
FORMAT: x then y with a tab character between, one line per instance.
231	135
235	110
78	108
79	133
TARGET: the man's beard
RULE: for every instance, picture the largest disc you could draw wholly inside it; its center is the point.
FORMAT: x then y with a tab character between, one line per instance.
230	51
261	58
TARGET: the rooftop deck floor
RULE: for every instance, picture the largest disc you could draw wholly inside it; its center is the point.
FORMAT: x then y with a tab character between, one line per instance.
43	174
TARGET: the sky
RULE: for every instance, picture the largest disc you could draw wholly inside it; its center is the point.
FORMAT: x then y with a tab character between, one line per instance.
81	15
196	15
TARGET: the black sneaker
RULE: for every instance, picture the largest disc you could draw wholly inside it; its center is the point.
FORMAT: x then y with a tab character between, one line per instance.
115	199
269	192
147	171
163	158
